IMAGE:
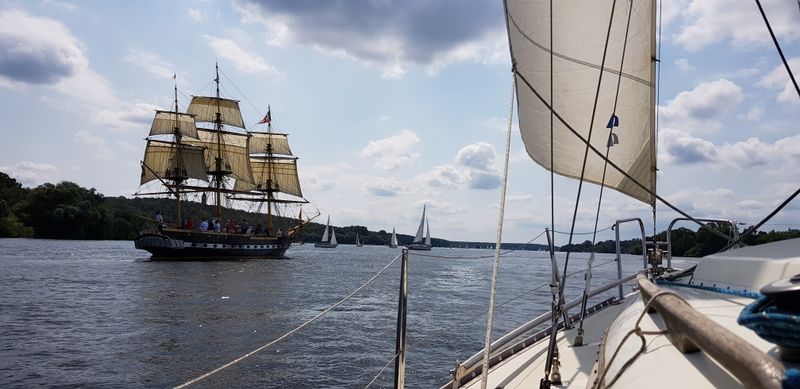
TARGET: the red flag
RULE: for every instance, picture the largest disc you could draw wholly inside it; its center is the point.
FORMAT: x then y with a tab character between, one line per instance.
267	118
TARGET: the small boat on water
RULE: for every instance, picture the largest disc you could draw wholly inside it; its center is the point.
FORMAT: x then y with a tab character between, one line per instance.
393	240
418	243
328	240
358	241
725	323
222	158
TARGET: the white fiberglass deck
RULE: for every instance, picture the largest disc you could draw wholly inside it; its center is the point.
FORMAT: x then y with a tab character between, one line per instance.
662	365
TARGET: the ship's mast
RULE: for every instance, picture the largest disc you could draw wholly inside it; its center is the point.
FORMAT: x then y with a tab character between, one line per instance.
269	172
218	173
178	155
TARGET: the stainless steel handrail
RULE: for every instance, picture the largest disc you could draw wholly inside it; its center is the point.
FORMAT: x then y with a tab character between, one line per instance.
669	233
498	344
619	249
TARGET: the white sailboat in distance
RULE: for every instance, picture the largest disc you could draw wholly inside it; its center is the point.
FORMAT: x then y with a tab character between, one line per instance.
418	243
325	242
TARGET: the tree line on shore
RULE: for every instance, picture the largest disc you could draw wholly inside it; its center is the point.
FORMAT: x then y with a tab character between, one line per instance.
69	211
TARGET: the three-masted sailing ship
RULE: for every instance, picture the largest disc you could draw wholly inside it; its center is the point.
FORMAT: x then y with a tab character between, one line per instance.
208	149
418	243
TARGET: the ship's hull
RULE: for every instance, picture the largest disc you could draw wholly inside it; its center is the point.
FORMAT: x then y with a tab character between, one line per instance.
419	247
326	245
208	246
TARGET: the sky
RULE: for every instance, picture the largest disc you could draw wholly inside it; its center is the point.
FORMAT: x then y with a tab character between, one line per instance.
394	104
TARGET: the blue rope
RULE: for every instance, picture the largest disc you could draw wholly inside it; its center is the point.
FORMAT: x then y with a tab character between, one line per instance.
791	379
763	317
740	293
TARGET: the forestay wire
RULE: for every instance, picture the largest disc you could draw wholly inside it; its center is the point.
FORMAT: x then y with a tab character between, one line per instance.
286	335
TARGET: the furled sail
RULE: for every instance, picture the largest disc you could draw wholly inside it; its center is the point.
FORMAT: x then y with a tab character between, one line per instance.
166	122
165	160
260	140
233	150
579	29
205	109
281	171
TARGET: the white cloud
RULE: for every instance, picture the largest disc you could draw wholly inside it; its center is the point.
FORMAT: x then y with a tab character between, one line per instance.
244	61
445	176
196	15
683	64
702	106
150	62
477	156
680	148
391	37
97	145
37	50
385	187
392	152
135	117
713	21
31	173
778	79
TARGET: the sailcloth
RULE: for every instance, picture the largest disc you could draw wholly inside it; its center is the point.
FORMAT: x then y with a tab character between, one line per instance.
578	40
420	230
325	233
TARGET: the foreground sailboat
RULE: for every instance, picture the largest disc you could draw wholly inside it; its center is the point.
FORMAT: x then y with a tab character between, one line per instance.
418	243
328	241
728	322
230	163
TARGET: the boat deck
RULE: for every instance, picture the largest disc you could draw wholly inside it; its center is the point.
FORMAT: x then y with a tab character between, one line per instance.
655	368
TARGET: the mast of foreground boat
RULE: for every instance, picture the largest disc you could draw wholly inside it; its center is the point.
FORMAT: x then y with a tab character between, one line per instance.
270	195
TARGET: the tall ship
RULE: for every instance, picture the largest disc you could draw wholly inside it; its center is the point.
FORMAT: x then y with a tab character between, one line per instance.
419	243
208	152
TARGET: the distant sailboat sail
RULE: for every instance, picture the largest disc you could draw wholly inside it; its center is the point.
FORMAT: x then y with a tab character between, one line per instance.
325	242
418	243
393	241
358	241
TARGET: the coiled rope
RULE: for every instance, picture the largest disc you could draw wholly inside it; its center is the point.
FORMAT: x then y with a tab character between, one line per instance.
638	331
284	336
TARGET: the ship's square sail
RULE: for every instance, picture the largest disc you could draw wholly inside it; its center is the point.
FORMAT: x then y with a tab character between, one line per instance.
234	152
281	172
166	122
205	109
259	142
578	40
164	159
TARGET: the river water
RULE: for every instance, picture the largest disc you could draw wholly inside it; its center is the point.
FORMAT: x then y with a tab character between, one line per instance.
100	314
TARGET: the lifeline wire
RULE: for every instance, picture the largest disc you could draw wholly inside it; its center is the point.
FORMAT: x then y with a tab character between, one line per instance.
381	372
284	336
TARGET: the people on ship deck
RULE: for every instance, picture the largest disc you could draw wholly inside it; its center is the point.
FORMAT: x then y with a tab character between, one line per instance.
230	228
217	226
244	226
204	225
159	220
188	224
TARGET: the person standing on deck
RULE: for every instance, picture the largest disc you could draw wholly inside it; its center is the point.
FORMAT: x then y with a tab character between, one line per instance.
159	220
